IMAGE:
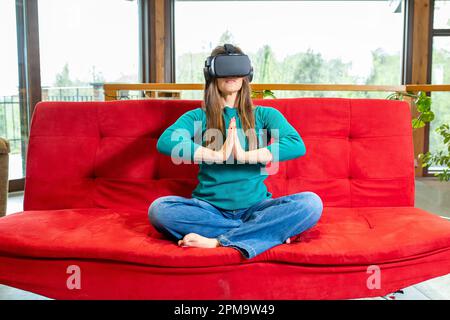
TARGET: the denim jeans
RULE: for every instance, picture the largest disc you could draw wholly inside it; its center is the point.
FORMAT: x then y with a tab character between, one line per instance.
251	230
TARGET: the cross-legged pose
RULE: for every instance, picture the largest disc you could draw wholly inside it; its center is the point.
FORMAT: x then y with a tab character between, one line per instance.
231	206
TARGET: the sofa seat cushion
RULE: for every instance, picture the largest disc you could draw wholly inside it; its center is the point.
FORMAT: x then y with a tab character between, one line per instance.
343	236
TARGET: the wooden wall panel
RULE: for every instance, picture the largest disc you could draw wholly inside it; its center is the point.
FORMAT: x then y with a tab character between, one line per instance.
421	39
157	41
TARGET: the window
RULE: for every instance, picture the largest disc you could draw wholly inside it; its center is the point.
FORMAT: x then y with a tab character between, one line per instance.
85	43
441	19
333	42
10	127
440	74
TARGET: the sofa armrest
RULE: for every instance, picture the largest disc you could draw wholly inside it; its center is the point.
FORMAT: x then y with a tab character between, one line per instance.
4	171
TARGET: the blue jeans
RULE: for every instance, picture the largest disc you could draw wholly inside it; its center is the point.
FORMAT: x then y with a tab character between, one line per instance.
251	230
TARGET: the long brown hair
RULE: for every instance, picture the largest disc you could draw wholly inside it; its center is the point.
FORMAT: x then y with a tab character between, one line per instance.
212	105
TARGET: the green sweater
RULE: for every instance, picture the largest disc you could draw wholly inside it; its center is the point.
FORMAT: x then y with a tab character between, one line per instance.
231	186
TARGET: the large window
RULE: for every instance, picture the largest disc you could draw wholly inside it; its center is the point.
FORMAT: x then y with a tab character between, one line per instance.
10	127
440	73
348	42
84	43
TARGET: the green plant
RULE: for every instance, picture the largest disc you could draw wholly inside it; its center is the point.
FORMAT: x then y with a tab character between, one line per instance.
266	93
441	158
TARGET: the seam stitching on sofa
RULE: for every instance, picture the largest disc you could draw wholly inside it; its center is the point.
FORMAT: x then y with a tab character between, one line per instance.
354	138
156	138
105	137
95	155
349	151
286	170
356	178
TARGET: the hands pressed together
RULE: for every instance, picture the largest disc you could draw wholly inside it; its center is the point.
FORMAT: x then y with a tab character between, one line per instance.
232	145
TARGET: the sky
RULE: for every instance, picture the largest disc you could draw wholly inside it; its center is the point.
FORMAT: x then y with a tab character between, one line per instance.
83	34
348	31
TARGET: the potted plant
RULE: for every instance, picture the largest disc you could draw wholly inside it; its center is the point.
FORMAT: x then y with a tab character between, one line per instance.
441	158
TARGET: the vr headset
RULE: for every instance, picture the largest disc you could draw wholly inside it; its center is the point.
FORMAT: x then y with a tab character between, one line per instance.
229	64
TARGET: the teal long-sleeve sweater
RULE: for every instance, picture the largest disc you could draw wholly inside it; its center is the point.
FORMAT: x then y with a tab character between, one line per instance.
232	186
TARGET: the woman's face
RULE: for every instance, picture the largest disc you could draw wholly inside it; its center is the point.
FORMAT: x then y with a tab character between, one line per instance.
229	85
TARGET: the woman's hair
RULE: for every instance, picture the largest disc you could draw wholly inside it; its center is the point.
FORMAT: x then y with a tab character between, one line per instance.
212	105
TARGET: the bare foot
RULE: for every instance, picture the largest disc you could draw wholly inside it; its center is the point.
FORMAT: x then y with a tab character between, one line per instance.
288	240
196	240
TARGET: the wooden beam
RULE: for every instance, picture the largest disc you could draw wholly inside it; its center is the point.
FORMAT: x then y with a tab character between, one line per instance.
420	54
159	27
428	87
257	87
156	42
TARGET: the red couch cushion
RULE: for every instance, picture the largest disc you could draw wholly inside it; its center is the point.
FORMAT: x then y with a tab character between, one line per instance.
359	153
343	236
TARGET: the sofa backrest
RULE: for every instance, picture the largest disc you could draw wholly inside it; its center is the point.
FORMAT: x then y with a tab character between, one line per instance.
359	152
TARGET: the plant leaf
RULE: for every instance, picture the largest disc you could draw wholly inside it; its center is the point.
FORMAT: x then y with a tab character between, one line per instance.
416	123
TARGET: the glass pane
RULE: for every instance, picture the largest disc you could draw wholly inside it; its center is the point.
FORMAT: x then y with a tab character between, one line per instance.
441	19
347	42
85	43
440	72
441	109
440	100
10	128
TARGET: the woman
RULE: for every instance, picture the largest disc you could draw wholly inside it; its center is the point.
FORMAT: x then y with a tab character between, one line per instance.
231	205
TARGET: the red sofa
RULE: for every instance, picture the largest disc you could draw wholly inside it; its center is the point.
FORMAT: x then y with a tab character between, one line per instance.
93	170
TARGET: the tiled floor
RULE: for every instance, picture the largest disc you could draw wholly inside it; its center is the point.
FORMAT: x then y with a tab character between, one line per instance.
431	195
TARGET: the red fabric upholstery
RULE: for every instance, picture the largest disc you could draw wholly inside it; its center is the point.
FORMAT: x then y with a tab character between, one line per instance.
93	170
